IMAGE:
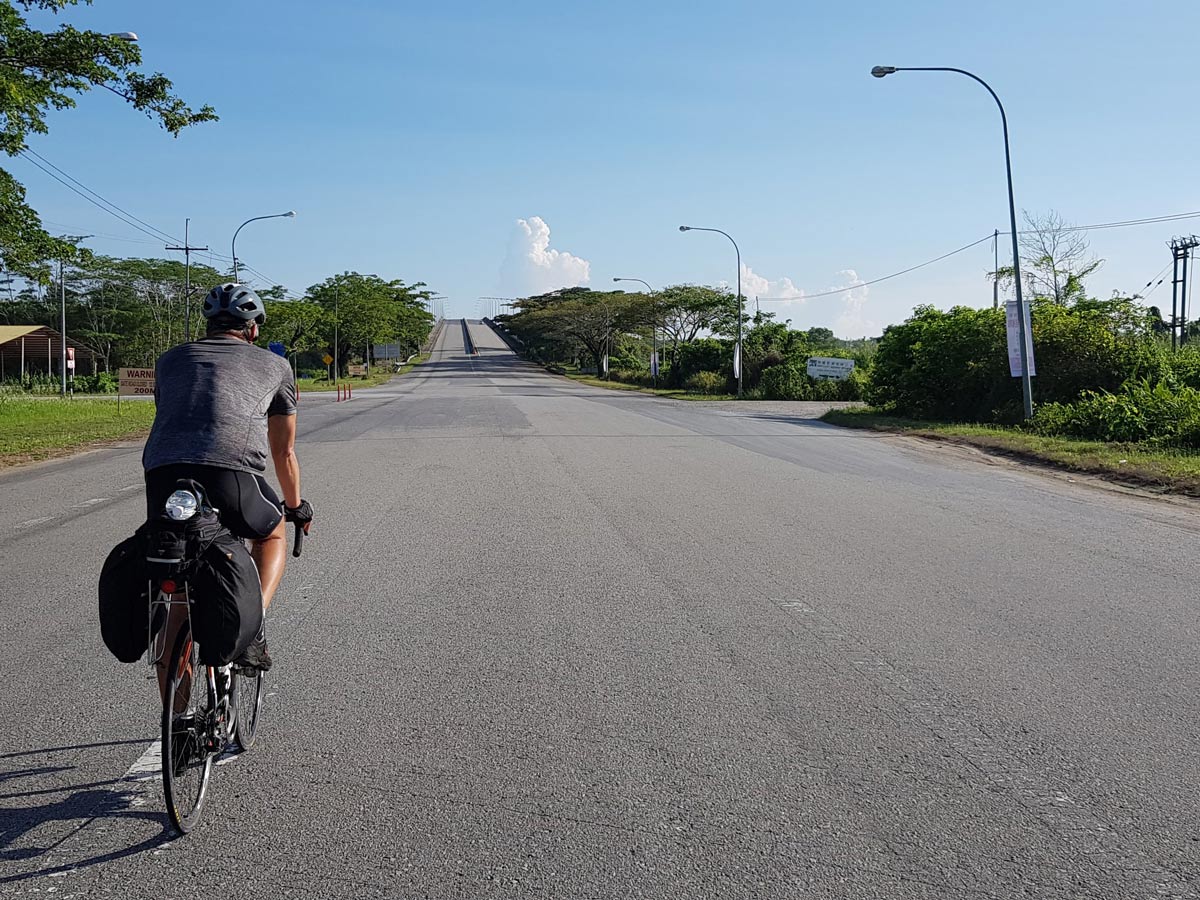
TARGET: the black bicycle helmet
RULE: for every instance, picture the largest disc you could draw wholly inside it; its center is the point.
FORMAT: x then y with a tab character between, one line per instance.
234	301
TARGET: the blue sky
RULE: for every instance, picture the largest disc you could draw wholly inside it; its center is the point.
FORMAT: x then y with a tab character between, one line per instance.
411	138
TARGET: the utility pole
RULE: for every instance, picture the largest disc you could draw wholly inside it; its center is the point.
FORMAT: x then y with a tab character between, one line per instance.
187	249
62	283
62	335
1181	251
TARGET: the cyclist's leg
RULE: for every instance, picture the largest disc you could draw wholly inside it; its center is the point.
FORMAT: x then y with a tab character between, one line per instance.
260	518
270	555
176	617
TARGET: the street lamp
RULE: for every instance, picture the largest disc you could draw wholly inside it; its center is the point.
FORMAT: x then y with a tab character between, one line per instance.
738	347
290	214
1026	384
653	331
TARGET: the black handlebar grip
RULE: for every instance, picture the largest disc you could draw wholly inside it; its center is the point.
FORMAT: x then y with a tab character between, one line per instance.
298	544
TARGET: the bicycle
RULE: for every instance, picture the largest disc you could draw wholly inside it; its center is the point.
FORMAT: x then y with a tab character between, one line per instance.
201	717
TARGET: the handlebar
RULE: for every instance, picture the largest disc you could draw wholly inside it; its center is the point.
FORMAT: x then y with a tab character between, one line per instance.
298	543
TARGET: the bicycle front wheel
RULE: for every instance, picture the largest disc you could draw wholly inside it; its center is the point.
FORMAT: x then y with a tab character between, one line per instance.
188	711
247	700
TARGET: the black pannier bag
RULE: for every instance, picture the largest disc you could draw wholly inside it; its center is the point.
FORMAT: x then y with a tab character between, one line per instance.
227	609
221	578
125	600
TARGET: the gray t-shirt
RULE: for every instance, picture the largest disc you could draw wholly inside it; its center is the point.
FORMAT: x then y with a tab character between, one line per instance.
214	397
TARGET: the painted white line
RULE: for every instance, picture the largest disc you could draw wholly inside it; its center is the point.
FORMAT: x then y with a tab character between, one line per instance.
33	522
149	764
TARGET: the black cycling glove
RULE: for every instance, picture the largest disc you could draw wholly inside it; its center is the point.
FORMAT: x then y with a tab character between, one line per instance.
302	515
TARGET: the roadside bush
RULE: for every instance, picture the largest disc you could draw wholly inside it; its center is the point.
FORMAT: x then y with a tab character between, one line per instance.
1142	413
100	383
785	383
944	365
703	355
1185	365
1096	345
825	389
632	376
854	387
954	365
706	383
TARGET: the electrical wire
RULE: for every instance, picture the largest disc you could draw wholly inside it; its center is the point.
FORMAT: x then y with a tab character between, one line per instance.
986	237
99	234
1153	284
1128	223
111	212
155	232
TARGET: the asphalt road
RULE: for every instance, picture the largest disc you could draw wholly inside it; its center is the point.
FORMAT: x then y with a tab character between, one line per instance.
549	640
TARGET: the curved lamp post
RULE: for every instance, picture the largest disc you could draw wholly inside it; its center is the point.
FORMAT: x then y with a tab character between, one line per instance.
290	214
653	330
1026	384
739	297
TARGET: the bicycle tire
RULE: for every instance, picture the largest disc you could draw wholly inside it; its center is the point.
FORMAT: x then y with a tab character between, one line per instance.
186	760
247	701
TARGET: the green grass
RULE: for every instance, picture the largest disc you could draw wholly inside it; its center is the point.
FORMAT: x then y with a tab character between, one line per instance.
32	429
673	393
376	378
1170	470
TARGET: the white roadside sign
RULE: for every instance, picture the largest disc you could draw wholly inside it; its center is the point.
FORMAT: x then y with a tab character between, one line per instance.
135	382
830	367
1013	323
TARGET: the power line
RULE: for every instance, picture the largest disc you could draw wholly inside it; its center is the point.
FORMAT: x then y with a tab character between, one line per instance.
1151	285
27	153
115	215
99	234
1129	223
986	237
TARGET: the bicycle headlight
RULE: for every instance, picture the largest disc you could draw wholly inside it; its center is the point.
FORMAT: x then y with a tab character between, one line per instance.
181	505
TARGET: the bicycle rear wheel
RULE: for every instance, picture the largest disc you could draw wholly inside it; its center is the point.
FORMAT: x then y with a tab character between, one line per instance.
247	700
188	709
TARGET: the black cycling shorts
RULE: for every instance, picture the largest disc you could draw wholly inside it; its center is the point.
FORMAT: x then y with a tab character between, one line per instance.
249	507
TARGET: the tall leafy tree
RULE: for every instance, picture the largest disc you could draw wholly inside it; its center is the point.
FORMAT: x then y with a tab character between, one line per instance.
578	320
47	70
368	310
685	311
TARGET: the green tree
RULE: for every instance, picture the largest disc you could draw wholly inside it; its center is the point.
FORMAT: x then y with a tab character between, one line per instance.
46	70
300	325
686	310
368	310
575	321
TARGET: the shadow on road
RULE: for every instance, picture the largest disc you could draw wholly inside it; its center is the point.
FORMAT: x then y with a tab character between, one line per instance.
82	805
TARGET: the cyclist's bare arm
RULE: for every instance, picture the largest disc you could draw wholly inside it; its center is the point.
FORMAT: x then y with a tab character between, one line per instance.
281	435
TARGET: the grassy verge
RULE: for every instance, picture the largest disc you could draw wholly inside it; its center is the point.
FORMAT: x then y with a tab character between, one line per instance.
38	429
1174	471
673	393
376	378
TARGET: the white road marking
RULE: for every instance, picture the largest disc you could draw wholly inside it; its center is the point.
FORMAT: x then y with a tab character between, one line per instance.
91	502
30	523
129	487
149	764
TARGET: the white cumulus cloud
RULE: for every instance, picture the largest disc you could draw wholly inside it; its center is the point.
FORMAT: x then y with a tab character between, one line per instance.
854	322
533	267
845	311
755	285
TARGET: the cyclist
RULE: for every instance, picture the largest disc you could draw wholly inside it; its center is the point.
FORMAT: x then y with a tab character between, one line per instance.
224	407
